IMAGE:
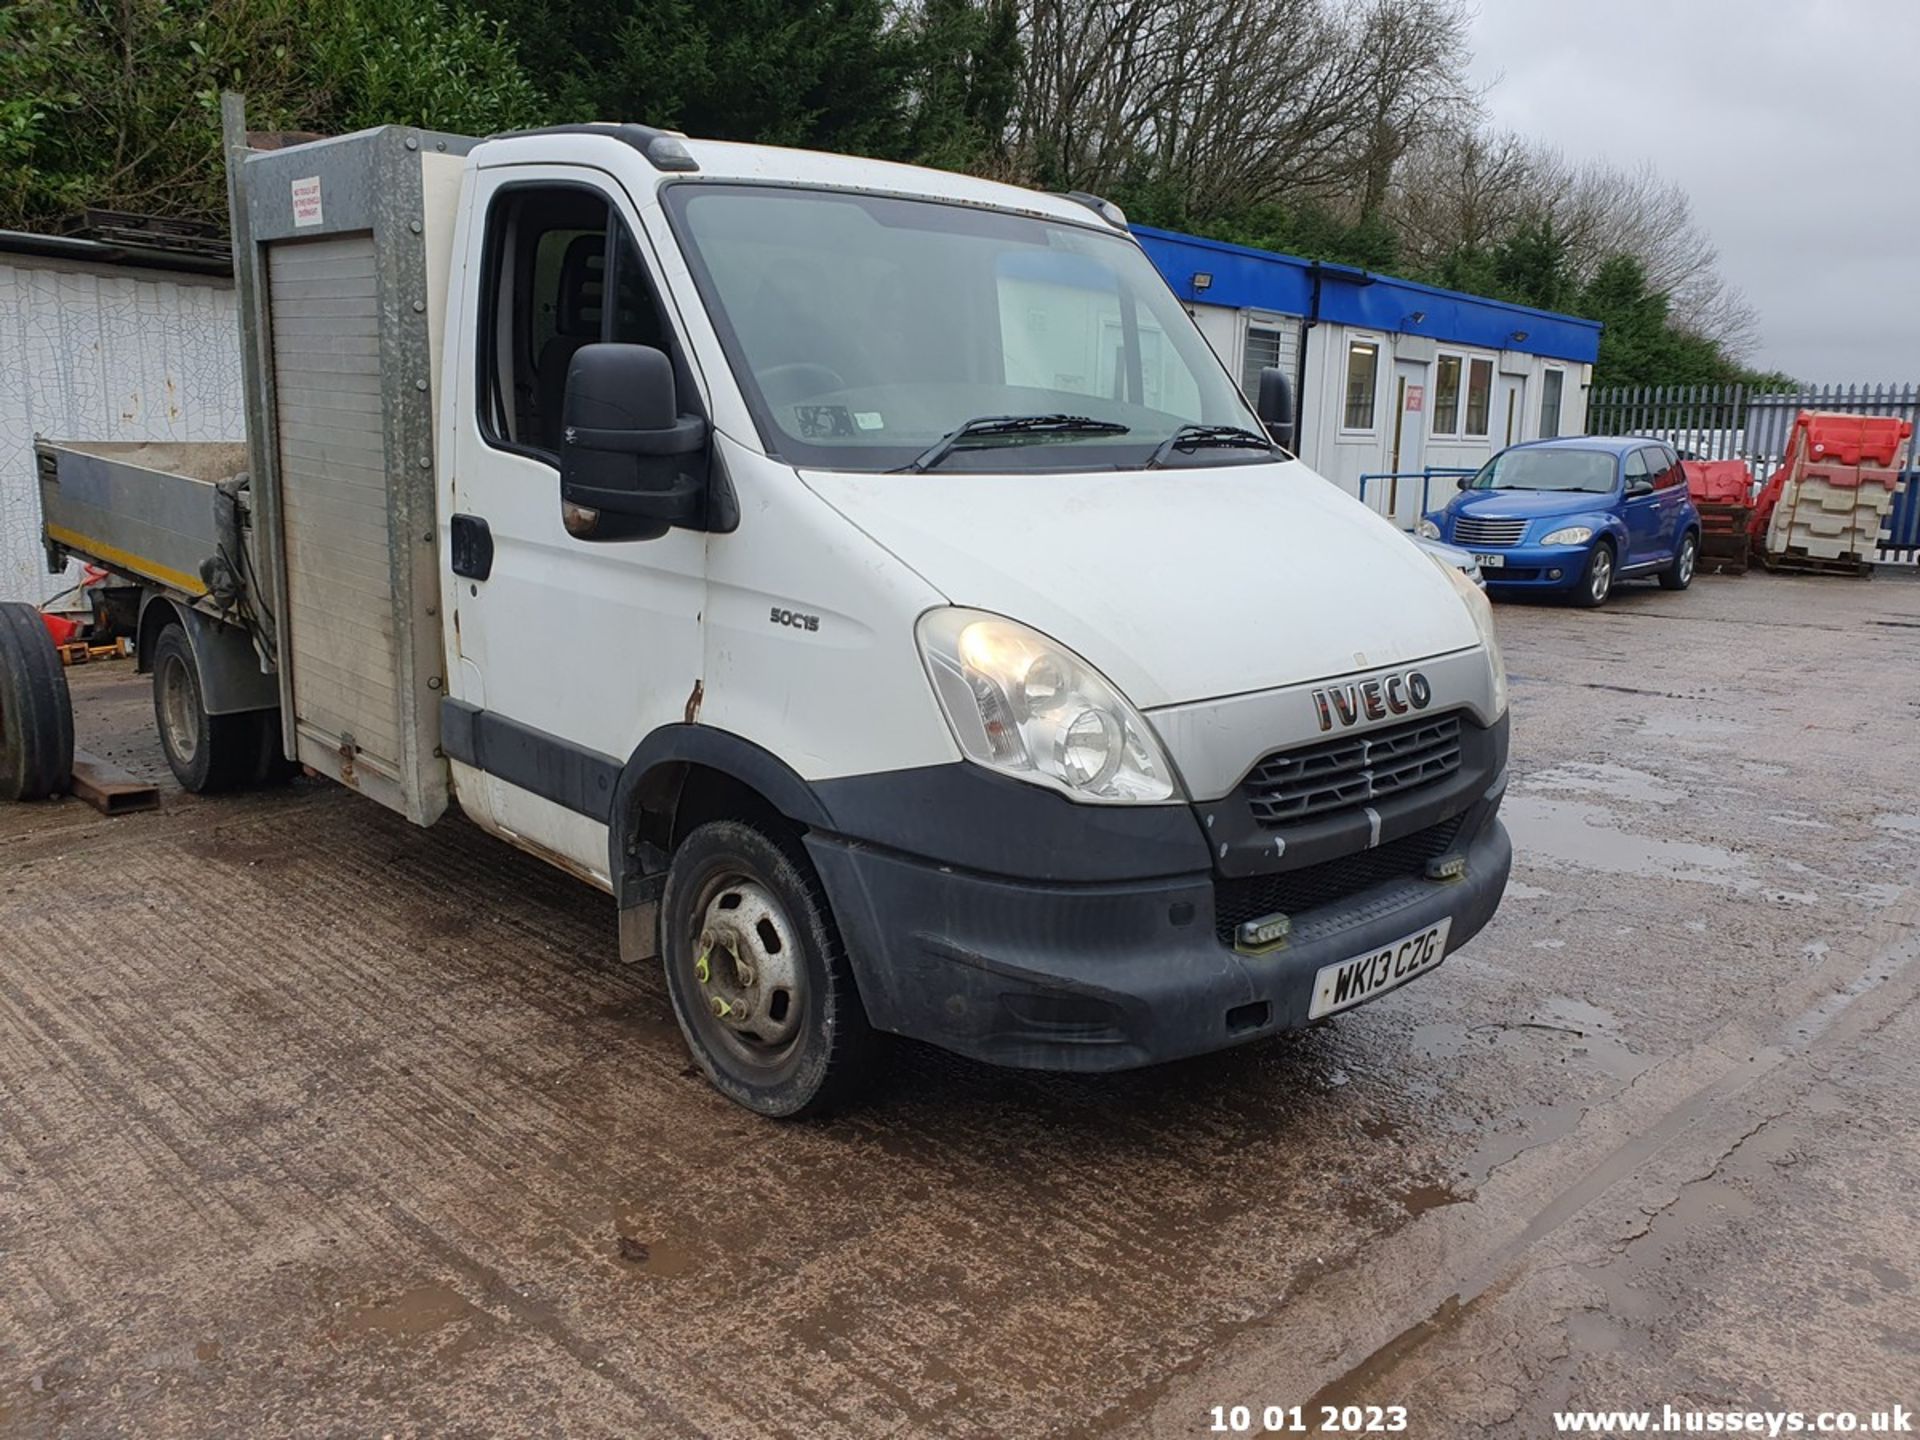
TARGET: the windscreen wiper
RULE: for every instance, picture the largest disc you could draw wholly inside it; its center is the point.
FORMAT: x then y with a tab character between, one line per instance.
1202	437
1014	425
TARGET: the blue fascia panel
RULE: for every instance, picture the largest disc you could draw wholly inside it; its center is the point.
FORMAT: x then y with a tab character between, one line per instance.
1248	279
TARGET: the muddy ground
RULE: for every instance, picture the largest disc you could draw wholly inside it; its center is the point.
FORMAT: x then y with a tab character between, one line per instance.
312	1123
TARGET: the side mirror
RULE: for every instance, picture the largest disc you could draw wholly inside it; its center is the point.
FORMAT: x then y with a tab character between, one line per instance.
626	451
1275	405
1465	482
1637	488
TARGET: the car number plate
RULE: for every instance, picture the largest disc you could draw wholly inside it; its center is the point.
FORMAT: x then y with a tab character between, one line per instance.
1348	982
1490	562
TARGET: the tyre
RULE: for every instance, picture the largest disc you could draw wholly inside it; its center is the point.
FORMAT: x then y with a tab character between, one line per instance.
207	753
1679	574
36	712
758	977
1596	581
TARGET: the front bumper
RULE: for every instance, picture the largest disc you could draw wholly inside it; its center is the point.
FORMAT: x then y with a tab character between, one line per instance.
1533	567
1053	975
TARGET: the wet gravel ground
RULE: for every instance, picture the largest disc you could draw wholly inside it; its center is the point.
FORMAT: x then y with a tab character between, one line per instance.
312	1123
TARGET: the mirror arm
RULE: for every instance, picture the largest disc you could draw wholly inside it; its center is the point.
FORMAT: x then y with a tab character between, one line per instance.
686	435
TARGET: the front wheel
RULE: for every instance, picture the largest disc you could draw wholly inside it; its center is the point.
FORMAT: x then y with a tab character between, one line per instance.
1679	574
758	977
1596	581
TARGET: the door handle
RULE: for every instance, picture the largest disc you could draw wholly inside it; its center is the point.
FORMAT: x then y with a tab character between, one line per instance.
472	541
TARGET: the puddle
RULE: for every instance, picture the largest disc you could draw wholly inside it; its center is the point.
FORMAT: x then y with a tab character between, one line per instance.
1880	1270
1418	1199
1583	837
409	1315
1616	782
1520	890
1803	822
1904	824
1699	727
654	1257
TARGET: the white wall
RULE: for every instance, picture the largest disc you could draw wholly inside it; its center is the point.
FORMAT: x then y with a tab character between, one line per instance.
1227	330
1343	454
101	353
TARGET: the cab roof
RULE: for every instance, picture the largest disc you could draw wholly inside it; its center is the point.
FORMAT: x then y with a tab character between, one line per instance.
724	160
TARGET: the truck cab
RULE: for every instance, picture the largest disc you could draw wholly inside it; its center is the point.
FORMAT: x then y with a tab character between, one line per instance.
870	577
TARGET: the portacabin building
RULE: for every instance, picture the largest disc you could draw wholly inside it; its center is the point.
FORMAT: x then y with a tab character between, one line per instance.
1391	378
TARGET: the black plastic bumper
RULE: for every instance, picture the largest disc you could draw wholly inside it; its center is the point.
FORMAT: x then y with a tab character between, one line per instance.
1108	976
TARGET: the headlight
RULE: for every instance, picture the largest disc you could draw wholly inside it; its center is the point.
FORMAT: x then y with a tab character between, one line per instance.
1482	611
1572	535
1426	529
1020	704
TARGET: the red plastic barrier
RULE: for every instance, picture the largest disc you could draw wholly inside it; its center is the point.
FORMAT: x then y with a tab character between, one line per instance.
1827	441
1719	482
1853	439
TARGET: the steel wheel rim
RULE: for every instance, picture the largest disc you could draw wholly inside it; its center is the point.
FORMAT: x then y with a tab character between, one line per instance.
1602	574
1687	553
749	981
179	709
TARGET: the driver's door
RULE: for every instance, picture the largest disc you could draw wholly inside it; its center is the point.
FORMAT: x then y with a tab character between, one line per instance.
569	649
1641	508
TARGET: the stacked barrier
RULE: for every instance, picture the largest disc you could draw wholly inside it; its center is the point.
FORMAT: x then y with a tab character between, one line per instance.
1825	507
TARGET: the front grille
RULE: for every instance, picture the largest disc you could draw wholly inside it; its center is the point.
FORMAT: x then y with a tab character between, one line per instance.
1291	785
1294	892
1472	530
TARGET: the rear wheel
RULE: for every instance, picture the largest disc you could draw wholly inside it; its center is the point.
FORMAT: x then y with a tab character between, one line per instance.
1596	581
36	712
1679	574
758	977
206	753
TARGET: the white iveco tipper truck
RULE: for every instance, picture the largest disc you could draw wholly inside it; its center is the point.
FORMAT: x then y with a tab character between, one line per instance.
866	574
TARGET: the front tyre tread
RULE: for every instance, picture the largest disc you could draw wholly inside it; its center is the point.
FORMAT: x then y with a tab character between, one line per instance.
837	1052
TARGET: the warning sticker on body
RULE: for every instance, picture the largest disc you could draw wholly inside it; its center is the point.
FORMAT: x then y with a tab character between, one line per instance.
306	202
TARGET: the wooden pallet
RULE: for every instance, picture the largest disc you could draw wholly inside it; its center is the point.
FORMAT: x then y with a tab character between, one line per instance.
1724	544
1798	562
79	652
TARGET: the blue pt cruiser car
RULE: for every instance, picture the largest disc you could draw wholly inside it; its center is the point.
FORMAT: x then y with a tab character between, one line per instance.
1570	517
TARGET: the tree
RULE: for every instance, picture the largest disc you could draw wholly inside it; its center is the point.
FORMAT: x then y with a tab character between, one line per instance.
119	106
964	61
1638	345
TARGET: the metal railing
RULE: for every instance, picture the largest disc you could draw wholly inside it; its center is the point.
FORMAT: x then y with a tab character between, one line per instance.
1393	478
1740	422
1735	422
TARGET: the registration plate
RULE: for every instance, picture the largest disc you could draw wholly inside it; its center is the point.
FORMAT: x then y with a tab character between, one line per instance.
1490	562
1348	982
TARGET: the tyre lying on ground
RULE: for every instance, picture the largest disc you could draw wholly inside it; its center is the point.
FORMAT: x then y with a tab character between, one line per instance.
36	714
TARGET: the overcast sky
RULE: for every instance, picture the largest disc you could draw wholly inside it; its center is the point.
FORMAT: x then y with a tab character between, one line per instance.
1793	125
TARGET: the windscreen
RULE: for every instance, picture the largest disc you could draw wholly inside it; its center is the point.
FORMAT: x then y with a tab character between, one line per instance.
865	328
1543	469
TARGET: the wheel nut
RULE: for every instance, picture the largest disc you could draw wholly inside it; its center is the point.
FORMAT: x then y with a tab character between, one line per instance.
720	1008
702	971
